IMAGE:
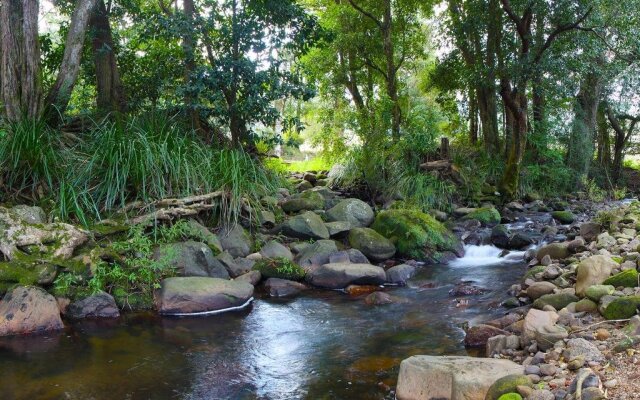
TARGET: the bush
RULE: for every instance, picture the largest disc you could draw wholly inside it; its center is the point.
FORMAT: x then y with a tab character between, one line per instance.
279	268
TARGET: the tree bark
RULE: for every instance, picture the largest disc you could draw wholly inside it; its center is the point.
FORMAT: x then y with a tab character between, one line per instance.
110	91
60	93
21	92
582	138
603	157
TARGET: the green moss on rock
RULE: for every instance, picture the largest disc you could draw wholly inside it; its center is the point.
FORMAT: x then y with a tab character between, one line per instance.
556	300
486	215
628	278
622	308
506	385
510	396
564	217
415	234
281	268
533	271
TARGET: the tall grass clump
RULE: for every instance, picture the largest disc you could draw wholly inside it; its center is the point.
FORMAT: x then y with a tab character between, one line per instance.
154	157
31	157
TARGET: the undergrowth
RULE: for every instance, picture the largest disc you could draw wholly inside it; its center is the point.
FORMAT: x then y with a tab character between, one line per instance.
141	158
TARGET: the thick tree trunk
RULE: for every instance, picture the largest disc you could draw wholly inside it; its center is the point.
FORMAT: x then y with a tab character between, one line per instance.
488	110
603	157
581	140
59	95
111	96
21	93
516	110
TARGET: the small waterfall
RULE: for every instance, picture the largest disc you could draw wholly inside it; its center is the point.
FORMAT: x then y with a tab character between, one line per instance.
477	256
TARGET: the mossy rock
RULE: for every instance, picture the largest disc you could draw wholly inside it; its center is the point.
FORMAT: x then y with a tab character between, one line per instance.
415	234
533	271
556	300
586	305
28	273
564	217
510	396
305	201
281	268
486	215
622	308
506	385
596	292
132	301
628	278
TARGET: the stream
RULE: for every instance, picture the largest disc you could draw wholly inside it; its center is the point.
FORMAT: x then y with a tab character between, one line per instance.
321	345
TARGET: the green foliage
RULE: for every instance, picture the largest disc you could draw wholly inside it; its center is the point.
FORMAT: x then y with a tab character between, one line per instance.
30	156
130	272
282	268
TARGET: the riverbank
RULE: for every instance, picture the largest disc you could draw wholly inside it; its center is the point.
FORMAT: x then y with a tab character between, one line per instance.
577	335
394	273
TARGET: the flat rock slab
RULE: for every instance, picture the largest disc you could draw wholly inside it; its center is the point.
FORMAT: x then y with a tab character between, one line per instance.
451	377
341	275
201	295
28	310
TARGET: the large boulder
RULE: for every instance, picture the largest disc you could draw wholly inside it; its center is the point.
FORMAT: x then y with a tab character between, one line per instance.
283	288
236	241
487	216
556	300
305	201
316	254
307	225
628	278
534	321
400	274
201	295
451	377
199	231
341	275
358	213
27	310
30	214
274	249
557	251
191	259
372	244
564	217
593	270
417	235
621	308
500	236
539	289
590	231
235	266
99	305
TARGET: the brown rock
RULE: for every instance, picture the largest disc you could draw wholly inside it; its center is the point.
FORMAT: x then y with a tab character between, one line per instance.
27	310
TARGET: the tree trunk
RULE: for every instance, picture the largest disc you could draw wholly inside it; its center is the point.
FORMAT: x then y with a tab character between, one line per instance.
59	95
516	109
392	70
110	92
603	157
21	93
473	116
581	140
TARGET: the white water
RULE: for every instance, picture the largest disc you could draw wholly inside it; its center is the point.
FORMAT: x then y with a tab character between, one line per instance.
477	256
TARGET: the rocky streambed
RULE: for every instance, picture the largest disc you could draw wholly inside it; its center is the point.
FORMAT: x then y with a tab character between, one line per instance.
323	300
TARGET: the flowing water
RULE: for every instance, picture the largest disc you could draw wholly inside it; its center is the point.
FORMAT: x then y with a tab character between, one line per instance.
322	345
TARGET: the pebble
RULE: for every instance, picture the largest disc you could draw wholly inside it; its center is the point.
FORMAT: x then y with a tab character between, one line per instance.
534	378
611	383
524	391
542	395
576	363
548	369
532	370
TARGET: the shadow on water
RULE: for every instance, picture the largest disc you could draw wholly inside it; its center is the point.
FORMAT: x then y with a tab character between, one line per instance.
323	345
